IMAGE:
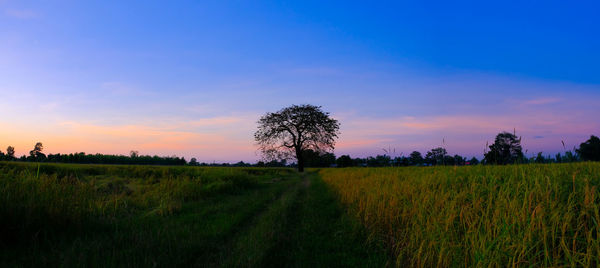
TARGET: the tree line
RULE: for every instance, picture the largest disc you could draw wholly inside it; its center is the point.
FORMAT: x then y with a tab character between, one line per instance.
506	149
134	158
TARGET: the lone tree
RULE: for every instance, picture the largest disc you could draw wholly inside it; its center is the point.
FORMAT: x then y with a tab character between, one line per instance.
10	152
590	150
505	150
286	134
36	153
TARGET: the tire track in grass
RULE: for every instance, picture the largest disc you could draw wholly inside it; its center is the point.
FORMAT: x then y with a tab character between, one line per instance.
239	246
253	246
319	233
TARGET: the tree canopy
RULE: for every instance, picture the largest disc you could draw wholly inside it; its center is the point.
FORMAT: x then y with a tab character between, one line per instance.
286	134
36	154
590	150
436	156
505	150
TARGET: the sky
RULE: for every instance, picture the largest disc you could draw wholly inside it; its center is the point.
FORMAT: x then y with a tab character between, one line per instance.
191	78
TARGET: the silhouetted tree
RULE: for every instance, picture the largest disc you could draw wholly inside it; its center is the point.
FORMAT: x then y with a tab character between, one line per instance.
379	161
402	161
275	163
193	162
474	161
345	161
505	150
558	158
590	150
289	132
459	160
316	159
36	154
436	156
571	157
416	158
540	159
10	152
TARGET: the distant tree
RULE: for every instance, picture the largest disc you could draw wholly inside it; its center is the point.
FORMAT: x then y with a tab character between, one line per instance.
10	152
416	158
571	157
558	158
459	160
275	163
286	134
436	156
360	162
590	150
36	154
344	161
316	159
193	162
379	161
134	154
241	164
448	160
401	161
540	159
505	150
474	161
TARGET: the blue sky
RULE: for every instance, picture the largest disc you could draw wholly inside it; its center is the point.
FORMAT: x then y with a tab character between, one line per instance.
192	77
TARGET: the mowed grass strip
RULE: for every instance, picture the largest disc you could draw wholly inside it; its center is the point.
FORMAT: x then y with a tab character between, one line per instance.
517	215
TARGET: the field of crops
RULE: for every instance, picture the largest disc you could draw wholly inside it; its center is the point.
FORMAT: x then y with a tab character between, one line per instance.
517	215
111	215
148	216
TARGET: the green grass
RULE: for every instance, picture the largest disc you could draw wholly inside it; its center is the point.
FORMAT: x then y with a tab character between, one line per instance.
114	216
140	216
128	215
322	234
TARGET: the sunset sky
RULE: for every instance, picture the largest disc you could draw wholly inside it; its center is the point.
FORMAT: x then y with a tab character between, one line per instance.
191	78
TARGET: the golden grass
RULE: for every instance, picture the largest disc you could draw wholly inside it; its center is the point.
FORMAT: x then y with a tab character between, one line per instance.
518	215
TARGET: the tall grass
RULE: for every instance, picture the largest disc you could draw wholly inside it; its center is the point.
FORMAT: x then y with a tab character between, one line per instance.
46	199
518	215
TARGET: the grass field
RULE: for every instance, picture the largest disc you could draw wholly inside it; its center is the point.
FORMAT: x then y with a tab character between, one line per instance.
107	216
518	215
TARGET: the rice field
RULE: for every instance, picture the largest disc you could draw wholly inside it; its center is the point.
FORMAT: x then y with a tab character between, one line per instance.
139	216
516	215
72	215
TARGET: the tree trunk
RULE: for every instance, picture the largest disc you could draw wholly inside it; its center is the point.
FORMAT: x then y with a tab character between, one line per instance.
300	160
